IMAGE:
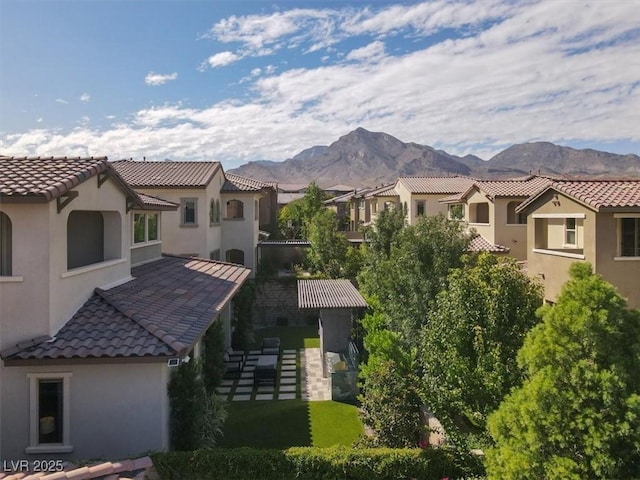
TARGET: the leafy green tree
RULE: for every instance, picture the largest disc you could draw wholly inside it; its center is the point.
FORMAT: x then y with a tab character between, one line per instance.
387	226
328	249
407	282
577	414
242	316
470	343
213	356
295	217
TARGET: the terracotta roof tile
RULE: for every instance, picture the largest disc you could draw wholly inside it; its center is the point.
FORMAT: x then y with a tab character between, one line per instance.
162	312
152	202
596	194
384	191
436	185
47	178
523	187
167	174
346	197
480	244
328	294
236	183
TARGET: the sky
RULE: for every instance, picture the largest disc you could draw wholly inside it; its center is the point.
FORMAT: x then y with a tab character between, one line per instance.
236	81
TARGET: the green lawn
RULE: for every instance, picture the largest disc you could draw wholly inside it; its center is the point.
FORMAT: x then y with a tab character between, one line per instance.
290	423
290	337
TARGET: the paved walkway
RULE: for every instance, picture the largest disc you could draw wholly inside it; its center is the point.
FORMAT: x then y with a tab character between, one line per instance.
304	364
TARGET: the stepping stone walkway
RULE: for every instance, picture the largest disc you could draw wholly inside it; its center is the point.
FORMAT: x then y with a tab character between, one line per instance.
313	386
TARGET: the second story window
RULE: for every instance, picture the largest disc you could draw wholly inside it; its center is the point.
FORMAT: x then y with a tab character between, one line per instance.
235	209
5	245
570	232
514	218
630	237
420	208
145	227
189	212
214	212
456	211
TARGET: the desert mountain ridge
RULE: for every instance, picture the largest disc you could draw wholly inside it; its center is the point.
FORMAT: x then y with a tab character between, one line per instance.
364	158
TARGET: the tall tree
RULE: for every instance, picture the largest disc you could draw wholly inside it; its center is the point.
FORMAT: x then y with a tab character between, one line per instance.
470	343
294	218
328	250
577	414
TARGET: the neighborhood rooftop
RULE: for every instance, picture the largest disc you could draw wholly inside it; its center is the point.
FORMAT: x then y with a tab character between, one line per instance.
436	185
595	194
167	174
328	294
236	183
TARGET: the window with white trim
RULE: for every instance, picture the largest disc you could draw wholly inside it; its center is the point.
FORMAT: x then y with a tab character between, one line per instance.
235	209
145	227
189	212
49	409
570	232
420	208
630	237
5	245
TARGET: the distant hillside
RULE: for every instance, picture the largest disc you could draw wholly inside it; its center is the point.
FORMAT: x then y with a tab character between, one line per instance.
366	158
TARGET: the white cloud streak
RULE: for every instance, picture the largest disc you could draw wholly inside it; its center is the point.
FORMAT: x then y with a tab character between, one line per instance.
85	97
222	59
155	79
546	71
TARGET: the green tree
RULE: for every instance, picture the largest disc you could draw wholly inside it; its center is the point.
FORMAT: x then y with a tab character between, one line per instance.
387	226
328	250
577	414
470	343
407	282
242	316
213	356
295	217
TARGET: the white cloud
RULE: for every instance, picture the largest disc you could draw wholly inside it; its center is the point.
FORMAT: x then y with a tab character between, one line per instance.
62	101
546	71
373	51
39	120
155	79
222	59
85	97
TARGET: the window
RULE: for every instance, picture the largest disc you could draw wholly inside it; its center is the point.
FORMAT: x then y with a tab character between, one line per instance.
257	209
5	245
420	208
374	206
145	227
630	237
514	218
570	232
389	205
361	204
479	212
212	212
456	211
189	212
49	413
235	256
235	209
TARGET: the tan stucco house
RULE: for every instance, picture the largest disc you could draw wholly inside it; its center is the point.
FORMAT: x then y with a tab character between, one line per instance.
86	340
596	221
218	215
489	208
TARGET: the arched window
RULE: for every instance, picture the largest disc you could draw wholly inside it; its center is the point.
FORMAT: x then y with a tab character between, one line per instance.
235	209
5	245
235	256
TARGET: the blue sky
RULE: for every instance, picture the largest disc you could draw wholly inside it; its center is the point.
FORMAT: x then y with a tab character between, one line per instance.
247	80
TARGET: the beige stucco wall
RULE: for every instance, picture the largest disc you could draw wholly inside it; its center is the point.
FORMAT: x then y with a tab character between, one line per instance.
552	270
432	204
513	236
487	230
241	234
117	411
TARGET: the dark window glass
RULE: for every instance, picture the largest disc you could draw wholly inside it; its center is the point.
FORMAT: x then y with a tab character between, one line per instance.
50	411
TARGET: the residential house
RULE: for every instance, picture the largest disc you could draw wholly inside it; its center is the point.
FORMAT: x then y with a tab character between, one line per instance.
596	221
381	198
420	196
219	214
489	208
87	341
352	211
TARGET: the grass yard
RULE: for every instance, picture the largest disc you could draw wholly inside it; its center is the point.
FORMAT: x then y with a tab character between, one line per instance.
290	337
290	423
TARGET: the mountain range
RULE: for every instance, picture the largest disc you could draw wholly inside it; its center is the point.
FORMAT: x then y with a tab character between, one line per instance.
364	158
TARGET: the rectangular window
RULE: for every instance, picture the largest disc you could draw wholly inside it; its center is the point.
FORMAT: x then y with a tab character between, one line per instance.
145	227
630	237
420	208
49	413
456	211
570	231
189	211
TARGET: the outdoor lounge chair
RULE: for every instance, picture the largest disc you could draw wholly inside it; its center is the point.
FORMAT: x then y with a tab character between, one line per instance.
235	355
232	366
271	346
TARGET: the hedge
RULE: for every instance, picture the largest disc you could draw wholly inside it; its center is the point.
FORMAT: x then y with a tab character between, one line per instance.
311	463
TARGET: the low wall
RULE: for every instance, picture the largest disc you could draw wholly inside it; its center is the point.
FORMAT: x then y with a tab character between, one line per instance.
276	304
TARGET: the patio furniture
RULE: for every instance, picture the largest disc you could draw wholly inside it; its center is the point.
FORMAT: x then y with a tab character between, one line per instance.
271	346
232	366
235	355
265	370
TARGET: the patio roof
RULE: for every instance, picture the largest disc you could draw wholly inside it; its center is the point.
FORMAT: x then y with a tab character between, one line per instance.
328	294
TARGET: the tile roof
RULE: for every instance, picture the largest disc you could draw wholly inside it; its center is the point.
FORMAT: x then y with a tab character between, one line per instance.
346	197
523	187
152	202
284	198
162	311
384	191
595	194
44	179
167	174
426	185
480	244
292	187
136	469
339	188
328	294
236	183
